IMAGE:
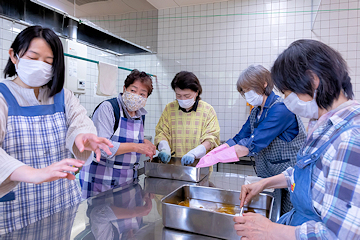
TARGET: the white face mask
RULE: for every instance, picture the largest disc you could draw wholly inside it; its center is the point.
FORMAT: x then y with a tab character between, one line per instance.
304	109
133	101
253	98
187	103
33	73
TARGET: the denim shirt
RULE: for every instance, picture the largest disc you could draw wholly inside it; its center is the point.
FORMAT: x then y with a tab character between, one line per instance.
278	122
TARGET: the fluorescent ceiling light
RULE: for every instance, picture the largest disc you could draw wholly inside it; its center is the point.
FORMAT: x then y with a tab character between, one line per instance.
14	29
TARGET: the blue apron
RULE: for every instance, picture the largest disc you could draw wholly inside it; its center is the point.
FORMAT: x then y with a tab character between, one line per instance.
301	195
35	135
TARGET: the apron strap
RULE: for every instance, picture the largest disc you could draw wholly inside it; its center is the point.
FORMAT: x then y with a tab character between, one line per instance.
15	109
315	156
9	97
257	122
59	101
8	197
278	100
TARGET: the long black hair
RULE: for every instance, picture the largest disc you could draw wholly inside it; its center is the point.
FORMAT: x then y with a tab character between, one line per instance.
21	45
294	68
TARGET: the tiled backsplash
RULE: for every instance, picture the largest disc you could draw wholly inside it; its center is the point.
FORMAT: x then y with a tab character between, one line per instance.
217	41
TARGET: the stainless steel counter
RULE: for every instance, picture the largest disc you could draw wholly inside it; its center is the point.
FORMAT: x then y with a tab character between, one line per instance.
134	211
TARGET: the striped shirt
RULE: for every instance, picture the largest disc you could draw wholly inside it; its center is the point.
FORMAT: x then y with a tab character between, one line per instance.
335	184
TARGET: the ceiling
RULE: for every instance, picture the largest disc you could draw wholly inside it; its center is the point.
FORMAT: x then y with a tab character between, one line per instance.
161	4
87	8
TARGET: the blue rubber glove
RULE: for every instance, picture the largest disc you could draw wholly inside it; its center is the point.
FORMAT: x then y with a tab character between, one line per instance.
187	159
164	156
197	152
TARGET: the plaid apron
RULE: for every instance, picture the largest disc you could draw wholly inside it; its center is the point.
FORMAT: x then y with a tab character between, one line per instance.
103	218
36	136
111	172
57	226
278	156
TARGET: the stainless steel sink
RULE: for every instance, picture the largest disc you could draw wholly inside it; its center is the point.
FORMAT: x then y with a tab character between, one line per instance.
174	170
203	221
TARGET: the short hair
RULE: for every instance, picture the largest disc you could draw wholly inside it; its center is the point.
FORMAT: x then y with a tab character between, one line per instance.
187	80
21	45
294	68
254	78
143	77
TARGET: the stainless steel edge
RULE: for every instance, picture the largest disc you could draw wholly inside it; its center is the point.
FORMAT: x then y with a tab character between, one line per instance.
164	186
174	170
206	222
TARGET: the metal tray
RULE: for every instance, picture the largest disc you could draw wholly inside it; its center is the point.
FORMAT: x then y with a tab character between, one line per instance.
164	186
168	233
174	170
207	222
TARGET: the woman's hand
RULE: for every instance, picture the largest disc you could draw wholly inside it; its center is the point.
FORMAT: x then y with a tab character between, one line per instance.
48	174
241	151
122	213
253	226
151	145
145	210
146	148
249	191
91	142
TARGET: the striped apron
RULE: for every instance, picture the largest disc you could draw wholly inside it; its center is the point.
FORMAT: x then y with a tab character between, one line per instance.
35	135
121	169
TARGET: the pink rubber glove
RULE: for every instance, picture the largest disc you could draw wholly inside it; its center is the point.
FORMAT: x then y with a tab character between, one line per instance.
211	153
225	155
217	150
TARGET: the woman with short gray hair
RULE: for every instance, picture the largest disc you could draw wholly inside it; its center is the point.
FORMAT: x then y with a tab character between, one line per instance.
272	134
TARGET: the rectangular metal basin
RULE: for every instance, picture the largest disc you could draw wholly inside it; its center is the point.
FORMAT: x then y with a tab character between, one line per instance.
163	186
174	170
203	221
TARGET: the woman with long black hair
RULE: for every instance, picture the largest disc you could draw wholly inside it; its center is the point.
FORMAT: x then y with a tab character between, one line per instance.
41	124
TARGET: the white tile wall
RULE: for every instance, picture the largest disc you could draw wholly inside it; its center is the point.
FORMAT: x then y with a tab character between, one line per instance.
217	41
8	32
